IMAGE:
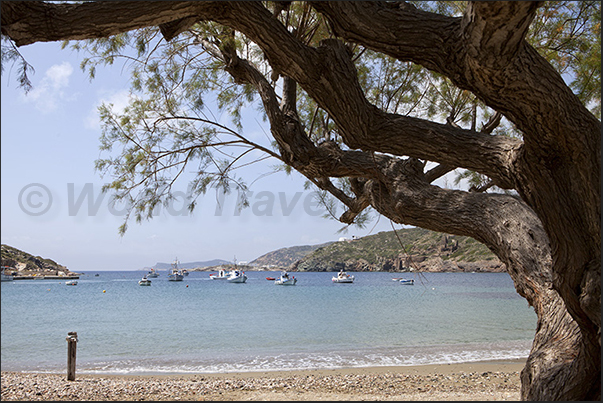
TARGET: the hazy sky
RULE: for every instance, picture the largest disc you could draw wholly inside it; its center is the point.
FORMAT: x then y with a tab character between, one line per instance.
52	204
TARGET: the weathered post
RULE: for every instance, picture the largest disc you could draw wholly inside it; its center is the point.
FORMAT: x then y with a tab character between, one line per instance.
71	347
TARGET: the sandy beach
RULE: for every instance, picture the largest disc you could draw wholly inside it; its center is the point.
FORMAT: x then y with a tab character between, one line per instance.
491	380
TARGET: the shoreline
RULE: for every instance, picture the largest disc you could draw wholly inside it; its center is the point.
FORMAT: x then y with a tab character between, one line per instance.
478	381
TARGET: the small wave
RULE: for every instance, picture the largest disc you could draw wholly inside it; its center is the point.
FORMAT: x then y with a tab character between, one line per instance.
304	361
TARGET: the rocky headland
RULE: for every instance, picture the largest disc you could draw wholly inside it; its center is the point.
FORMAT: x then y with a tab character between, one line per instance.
411	249
23	264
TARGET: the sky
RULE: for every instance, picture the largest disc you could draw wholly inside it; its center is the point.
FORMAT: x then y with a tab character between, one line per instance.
52	205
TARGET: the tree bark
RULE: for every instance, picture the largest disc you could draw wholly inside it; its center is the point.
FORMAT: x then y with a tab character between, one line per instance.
549	239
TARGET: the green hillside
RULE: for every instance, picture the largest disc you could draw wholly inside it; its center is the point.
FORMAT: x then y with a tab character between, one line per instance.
285	257
412	248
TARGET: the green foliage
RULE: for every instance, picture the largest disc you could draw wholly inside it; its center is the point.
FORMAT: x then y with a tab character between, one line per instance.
568	35
10	54
165	132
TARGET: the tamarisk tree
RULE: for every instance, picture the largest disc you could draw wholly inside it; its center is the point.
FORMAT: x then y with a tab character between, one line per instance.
373	102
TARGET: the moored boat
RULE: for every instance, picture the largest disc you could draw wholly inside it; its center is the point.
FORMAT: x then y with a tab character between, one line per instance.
175	272
221	275
285	279
403	280
237	276
71	282
343	277
144	281
152	273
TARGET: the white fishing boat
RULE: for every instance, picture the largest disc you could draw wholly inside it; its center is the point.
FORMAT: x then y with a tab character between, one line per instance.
343	277
220	275
144	281
175	273
71	282
285	279
152	273
237	276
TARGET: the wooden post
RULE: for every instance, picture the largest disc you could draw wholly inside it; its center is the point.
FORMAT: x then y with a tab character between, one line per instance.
71	347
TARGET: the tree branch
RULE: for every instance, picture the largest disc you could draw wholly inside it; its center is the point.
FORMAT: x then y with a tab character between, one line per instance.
494	31
27	22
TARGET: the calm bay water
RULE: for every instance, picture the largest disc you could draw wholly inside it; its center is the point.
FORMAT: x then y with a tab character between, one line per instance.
201	325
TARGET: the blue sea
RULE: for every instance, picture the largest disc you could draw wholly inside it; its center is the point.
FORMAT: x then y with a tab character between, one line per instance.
201	325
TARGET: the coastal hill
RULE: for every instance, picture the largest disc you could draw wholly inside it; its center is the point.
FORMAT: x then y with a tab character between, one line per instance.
408	249
27	264
285	257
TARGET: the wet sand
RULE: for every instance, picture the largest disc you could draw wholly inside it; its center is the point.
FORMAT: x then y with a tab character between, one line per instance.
487	380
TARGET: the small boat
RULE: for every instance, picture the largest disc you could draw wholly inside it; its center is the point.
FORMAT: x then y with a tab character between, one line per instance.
407	281
237	276
96	275
144	281
270	278
152	273
175	272
221	275
343	277
184	272
284	279
71	282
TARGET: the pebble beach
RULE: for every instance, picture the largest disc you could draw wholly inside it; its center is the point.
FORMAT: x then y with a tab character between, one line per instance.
479	381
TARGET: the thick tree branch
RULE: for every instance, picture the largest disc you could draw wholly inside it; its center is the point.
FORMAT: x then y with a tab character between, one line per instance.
27	22
493	32
402	31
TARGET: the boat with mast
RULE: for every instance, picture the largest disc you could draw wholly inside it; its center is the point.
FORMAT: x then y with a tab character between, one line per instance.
236	275
175	273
